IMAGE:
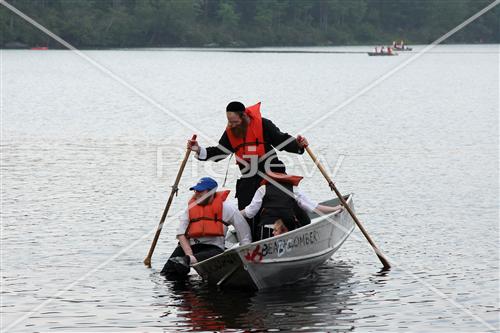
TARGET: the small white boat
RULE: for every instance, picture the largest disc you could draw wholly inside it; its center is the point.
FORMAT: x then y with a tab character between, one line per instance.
283	259
403	48
384	53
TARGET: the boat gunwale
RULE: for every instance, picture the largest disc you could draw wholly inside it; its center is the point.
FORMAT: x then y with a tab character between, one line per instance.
311	255
298	258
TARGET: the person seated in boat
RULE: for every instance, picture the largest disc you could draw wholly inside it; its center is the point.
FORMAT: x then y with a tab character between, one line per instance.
282	199
389	50
279	227
203	227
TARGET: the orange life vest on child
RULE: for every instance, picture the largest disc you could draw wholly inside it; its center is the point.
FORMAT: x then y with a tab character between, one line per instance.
282	178
253	143
206	221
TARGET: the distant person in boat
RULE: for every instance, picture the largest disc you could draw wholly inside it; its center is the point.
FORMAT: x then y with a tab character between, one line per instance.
282	201
389	50
202	228
252	139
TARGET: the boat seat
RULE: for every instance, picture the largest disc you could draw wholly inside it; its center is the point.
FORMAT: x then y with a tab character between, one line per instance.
266	231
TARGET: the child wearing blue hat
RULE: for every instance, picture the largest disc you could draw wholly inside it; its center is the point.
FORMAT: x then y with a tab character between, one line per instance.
203	227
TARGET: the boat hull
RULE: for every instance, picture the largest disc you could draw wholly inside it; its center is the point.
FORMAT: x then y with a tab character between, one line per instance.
283	259
379	54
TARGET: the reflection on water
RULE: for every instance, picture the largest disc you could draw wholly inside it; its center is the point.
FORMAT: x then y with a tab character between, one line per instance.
321	302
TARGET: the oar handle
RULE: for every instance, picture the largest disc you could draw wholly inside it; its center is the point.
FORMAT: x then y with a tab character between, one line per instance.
147	260
379	253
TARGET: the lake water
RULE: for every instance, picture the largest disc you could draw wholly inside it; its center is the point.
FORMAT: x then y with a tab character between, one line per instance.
89	155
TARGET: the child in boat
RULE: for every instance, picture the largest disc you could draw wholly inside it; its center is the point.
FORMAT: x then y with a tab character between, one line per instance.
279	227
203	227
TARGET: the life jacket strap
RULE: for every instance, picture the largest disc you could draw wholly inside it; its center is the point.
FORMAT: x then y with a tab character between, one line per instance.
208	218
257	142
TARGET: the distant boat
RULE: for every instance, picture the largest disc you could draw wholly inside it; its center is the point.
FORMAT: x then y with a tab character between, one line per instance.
402	48
383	51
40	48
382	54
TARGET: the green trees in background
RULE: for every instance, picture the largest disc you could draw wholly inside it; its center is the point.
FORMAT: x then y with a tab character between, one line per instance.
151	23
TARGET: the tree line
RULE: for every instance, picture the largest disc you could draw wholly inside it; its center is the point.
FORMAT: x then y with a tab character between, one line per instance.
245	23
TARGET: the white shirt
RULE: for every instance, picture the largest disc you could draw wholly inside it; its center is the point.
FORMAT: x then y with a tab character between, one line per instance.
230	215
202	154
304	202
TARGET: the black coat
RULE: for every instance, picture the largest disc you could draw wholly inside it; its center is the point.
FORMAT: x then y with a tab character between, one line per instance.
272	138
246	187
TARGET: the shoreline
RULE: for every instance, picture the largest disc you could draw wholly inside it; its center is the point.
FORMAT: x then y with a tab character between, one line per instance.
331	49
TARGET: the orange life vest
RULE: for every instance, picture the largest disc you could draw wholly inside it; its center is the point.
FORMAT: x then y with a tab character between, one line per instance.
253	143
282	178
206	221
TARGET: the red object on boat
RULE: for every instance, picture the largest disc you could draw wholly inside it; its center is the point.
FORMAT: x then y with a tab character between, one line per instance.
40	48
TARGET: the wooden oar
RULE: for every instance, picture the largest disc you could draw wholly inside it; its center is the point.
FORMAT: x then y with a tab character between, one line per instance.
379	253
147	261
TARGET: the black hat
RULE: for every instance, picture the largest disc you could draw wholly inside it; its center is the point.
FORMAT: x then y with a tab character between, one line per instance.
235	107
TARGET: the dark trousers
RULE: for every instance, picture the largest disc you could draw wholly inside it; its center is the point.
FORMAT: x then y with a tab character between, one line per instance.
200	252
245	190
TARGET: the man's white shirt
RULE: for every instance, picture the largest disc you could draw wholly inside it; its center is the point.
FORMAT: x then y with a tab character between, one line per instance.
202	154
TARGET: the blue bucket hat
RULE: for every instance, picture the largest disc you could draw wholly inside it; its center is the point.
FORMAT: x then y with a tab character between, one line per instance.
205	183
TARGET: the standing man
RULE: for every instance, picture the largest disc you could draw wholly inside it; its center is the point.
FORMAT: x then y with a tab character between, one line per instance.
252	139
202	228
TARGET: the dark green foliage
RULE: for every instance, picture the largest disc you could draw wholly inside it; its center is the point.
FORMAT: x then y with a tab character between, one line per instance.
150	23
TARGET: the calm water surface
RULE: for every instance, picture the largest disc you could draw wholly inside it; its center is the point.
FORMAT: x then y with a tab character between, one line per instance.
87	166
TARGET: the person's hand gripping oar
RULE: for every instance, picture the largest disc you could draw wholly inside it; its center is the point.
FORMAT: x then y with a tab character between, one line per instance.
147	261
379	253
